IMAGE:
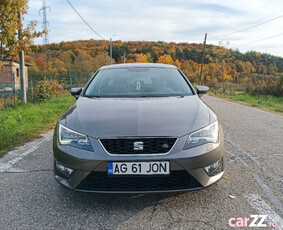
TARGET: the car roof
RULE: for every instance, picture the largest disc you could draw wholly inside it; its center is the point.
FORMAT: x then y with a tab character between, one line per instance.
138	65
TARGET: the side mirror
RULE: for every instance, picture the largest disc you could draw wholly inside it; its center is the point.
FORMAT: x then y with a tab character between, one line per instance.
201	90
76	92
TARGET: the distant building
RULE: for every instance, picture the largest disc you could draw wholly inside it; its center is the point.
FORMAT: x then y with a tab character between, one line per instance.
10	76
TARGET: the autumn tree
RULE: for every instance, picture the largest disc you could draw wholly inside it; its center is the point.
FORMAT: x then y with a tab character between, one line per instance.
67	57
57	66
141	58
190	69
177	64
149	58
165	59
222	67
33	67
100	60
41	63
11	41
272	68
83	62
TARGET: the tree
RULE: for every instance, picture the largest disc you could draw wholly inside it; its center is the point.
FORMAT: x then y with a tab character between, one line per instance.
11	41
179	53
68	57
166	59
190	69
41	63
272	68
222	66
186	54
83	62
100	60
141	58
57	66
33	67
177	63
149	57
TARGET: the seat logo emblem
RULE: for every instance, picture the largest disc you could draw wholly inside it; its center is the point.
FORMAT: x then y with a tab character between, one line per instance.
138	145
138	87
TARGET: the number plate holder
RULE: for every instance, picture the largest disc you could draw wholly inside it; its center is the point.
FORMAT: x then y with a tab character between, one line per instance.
138	168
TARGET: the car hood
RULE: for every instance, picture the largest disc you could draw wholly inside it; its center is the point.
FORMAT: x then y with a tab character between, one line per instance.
137	117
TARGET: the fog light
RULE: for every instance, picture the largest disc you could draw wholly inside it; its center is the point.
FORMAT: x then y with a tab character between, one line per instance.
214	169
64	170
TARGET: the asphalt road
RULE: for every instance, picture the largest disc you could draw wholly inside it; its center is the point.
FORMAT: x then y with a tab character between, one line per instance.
253	185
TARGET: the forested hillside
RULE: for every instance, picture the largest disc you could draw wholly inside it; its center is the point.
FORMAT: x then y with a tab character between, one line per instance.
255	72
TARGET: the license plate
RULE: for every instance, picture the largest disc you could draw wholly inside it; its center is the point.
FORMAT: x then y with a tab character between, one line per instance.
138	168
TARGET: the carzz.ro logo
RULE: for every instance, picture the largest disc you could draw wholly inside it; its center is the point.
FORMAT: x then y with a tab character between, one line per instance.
252	221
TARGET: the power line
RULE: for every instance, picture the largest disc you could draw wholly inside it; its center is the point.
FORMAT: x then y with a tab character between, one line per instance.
250	27
263	39
45	23
85	20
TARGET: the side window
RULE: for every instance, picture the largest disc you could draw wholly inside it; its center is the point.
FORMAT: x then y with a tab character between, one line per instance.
18	72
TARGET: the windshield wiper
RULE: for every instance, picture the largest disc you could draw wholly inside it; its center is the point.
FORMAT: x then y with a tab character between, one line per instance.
92	96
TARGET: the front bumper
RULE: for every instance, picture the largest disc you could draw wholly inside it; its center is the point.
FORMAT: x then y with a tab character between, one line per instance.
90	168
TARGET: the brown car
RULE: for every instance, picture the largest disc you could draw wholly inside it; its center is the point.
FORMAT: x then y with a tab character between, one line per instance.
138	128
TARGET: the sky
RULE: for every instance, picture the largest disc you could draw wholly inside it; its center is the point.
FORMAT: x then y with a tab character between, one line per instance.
164	20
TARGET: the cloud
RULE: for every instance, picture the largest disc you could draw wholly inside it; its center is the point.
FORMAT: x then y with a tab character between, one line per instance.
217	8
179	20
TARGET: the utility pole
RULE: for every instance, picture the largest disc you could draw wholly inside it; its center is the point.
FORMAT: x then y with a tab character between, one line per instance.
22	66
14	84
202	59
111	48
45	25
111	51
124	57
265	62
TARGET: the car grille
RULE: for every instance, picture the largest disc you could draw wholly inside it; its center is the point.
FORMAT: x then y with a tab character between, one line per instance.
177	180
149	145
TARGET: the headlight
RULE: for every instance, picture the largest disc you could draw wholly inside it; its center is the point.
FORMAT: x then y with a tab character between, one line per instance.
73	138
208	134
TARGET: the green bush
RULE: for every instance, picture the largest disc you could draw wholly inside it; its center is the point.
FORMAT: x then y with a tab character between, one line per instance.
47	89
273	86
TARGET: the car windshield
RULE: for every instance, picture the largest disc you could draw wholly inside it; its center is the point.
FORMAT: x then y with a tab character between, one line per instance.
138	82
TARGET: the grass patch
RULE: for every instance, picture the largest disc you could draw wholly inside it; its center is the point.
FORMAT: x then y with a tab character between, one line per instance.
24	122
266	102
